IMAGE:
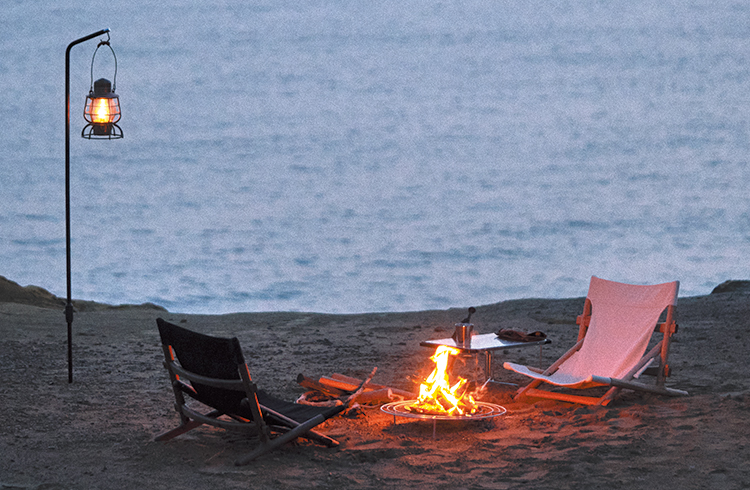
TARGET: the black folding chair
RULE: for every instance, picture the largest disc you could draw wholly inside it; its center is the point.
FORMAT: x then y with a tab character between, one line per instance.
213	371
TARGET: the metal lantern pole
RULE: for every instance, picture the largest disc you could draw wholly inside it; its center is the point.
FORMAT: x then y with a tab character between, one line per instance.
69	304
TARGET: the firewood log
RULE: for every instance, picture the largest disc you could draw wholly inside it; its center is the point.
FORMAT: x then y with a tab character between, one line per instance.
311	384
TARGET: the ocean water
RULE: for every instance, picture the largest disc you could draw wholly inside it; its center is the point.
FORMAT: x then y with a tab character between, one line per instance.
337	156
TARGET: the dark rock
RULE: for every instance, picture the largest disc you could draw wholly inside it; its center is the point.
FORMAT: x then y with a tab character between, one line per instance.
12	292
732	287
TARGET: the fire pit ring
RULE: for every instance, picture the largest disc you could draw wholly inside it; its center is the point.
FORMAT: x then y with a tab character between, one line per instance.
484	411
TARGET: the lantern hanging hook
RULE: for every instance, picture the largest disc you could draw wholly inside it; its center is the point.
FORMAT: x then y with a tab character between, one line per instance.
114	79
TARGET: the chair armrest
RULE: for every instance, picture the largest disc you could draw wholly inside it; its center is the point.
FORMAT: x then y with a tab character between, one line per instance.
226	384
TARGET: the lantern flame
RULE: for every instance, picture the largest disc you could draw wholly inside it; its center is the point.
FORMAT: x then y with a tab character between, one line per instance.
436	394
101	113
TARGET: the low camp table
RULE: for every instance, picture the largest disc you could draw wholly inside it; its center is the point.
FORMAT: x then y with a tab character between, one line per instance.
486	343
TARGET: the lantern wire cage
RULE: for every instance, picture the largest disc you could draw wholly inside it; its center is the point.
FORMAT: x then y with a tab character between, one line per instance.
102	109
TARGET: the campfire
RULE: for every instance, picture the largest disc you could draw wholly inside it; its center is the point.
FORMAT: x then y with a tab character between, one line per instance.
440	397
437	396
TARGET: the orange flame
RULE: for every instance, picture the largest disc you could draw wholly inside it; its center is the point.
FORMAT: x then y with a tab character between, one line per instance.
101	111
437	396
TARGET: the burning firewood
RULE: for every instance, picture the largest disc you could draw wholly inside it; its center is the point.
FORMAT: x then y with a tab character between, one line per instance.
437	396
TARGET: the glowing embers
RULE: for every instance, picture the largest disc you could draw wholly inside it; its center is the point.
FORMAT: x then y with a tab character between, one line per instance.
437	396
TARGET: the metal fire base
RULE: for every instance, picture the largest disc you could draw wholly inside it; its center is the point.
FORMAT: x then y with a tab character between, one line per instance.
484	411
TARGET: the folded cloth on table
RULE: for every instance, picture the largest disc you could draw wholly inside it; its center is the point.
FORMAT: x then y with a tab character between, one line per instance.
516	336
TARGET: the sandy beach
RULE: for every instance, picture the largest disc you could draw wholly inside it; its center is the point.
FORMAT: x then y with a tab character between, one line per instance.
98	432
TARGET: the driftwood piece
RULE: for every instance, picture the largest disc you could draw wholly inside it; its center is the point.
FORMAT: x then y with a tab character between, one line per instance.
351	380
351	398
372	397
338	387
376	397
311	384
314	398
340	381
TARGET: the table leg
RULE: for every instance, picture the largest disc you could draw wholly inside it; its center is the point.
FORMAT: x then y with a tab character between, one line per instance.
540	357
488	370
